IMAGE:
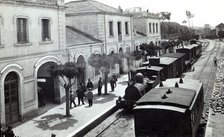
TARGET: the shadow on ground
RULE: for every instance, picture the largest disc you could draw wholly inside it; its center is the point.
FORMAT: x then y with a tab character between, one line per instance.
55	122
104	98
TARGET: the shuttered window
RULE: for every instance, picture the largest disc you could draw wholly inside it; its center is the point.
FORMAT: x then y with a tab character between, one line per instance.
46	30
111	29
22	30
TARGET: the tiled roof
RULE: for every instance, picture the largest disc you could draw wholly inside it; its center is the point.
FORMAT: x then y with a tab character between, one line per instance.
89	6
221	25
41	2
77	37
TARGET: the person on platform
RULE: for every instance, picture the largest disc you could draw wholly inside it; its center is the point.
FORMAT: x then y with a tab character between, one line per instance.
114	76
72	99
40	96
112	84
89	84
215	61
83	87
100	84
80	95
89	96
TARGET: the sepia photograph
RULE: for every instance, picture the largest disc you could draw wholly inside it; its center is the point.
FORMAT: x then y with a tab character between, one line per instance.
111	68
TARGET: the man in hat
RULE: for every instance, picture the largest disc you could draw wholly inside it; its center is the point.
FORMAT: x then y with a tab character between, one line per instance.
89	96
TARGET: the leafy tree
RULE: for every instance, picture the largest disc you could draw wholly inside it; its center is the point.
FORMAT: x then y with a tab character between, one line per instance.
185	33
149	48
175	31
66	72
130	56
104	62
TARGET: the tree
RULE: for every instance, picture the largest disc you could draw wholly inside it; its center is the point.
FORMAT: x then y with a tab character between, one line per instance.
130	56
185	33
104	62
149	48
66	72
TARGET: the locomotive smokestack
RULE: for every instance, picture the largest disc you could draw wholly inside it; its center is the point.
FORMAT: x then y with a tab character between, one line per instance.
181	80
176	85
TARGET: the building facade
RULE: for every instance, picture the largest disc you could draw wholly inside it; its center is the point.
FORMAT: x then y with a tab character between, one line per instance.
219	28
146	26
32	37
110	25
80	46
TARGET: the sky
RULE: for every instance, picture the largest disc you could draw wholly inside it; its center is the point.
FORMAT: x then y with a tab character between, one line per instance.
205	11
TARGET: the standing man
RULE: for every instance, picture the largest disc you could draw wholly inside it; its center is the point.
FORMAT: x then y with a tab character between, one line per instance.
100	84
83	87
72	99
112	84
80	95
41	96
114	76
89	96
215	61
89	84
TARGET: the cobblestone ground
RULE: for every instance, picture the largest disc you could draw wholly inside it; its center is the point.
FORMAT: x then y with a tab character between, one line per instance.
216	113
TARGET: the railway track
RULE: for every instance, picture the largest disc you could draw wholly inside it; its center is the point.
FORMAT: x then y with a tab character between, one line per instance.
121	123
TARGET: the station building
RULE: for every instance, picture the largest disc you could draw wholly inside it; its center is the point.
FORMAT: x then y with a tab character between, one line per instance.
30	41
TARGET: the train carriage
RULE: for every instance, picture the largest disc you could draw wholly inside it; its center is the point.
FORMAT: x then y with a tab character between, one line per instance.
188	50
168	64
170	111
192	51
180	65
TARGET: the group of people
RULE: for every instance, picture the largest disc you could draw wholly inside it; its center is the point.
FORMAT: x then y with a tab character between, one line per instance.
81	93
113	83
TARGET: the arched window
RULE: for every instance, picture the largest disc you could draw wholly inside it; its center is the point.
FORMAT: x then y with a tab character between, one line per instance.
11	98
